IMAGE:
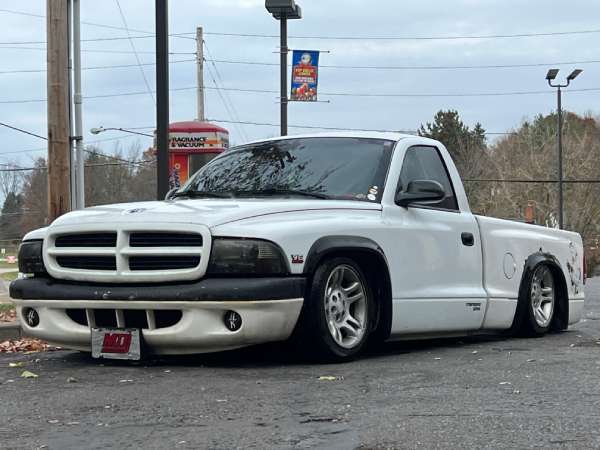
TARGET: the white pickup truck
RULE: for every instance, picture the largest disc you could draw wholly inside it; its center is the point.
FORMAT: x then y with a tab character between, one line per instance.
332	240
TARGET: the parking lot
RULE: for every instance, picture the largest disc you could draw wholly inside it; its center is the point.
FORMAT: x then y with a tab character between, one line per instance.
454	393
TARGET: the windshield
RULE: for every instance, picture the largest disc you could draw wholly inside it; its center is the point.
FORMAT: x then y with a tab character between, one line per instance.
325	168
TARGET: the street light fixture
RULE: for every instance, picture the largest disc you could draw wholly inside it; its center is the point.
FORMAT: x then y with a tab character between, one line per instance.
283	10
550	77
98	130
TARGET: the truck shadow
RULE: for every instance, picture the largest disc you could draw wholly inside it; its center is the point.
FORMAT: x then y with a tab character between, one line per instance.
273	355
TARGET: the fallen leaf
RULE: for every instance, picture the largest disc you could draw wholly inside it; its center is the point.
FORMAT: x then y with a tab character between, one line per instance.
26	345
327	378
71	380
8	316
28	374
531	360
53	421
125	381
16	364
474	352
504	383
437	359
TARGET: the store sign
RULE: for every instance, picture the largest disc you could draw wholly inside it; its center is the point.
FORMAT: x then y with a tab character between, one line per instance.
305	75
198	142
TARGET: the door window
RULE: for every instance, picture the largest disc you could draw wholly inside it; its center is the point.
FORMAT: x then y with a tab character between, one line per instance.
426	163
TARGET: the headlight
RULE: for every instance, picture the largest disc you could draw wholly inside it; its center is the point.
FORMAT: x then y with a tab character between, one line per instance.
246	257
30	257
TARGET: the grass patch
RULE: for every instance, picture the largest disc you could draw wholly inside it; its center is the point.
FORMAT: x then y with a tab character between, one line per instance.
5	265
6	307
10	276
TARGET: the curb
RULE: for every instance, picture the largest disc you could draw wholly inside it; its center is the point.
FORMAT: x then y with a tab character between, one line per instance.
9	331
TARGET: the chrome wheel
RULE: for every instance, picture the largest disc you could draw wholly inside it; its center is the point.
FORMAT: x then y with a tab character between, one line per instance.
542	296
345	306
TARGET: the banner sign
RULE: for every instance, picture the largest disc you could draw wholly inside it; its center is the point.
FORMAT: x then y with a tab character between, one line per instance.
305	74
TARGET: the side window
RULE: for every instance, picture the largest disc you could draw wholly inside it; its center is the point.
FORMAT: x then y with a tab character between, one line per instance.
426	163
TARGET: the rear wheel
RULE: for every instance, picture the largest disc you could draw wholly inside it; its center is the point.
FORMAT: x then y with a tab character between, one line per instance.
337	316
537	308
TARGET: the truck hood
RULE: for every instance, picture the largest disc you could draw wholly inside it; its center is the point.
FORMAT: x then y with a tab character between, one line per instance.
209	212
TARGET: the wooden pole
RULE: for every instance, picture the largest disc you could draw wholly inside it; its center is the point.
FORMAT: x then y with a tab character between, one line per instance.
200	72
59	162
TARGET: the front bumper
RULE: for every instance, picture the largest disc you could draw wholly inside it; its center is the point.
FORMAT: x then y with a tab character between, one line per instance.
269	308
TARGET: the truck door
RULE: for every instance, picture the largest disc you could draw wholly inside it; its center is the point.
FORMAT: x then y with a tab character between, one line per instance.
436	262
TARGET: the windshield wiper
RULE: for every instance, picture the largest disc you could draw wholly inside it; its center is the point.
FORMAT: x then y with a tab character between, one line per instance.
282	191
202	194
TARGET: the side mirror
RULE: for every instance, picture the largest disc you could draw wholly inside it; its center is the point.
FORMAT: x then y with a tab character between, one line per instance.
420	191
170	194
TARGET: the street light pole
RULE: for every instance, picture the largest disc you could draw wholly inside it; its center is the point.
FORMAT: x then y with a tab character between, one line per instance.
550	77
283	10
561	220
99	130
283	75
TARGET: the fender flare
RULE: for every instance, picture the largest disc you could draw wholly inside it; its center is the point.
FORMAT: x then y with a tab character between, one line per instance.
561	315
328	245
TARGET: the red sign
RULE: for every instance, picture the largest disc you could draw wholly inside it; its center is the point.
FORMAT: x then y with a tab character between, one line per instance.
116	343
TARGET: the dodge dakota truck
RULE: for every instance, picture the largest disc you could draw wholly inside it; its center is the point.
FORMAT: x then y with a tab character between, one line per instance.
331	241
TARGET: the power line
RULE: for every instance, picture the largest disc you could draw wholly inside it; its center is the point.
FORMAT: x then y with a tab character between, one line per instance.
360	38
316	127
234	115
326	66
30	169
457	67
137	57
409	38
95	24
118	52
41	149
114	66
23	131
332	94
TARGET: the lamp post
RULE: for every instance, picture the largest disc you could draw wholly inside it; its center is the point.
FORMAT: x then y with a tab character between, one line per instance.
550	77
283	10
99	130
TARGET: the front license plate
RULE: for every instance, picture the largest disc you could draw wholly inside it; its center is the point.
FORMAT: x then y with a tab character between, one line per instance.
116	343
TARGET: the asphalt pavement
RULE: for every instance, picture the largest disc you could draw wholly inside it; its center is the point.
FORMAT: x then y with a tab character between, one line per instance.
473	393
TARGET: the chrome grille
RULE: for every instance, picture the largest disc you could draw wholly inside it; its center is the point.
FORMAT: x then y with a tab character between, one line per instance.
141	252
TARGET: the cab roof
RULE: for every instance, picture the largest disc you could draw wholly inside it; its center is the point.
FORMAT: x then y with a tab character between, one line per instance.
390	136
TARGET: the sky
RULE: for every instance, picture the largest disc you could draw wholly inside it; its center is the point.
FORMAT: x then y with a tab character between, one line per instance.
22	48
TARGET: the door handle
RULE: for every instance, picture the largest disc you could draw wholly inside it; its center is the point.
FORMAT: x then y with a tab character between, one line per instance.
468	239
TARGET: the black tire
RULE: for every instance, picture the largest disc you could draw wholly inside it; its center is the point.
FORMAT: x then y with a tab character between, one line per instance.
527	322
313	337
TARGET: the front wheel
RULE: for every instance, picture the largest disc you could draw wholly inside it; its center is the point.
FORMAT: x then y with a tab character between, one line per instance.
337	317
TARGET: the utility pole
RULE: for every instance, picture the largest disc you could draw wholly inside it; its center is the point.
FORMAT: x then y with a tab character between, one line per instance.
162	97
77	99
59	148
200	69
